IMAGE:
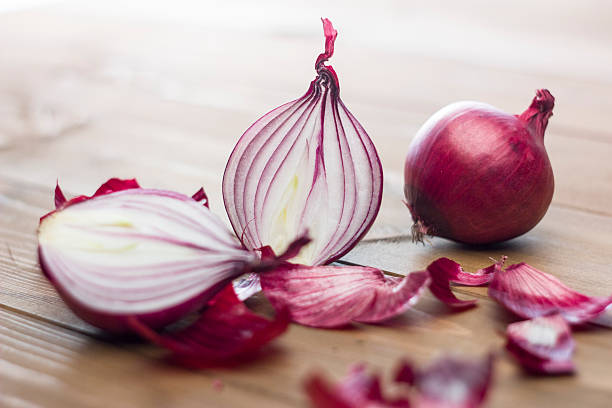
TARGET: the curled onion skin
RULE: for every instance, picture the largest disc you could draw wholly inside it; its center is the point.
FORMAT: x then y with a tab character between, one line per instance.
477	175
226	333
529	293
334	296
129	252
306	166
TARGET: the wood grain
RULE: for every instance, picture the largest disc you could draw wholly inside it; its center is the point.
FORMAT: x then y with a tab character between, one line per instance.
95	90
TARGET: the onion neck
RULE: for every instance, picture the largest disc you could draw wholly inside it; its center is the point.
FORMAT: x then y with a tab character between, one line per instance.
537	115
326	74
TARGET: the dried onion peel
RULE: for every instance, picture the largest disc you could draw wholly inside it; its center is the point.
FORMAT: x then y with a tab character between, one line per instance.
543	345
333	296
306	166
531	293
358	389
443	271
227	332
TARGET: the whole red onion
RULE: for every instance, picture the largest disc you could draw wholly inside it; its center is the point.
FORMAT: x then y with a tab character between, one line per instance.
477	175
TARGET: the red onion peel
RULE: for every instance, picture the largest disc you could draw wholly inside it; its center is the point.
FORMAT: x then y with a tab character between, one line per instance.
358	389
332	296
443	271
477	175
542	345
531	293
227	332
449	382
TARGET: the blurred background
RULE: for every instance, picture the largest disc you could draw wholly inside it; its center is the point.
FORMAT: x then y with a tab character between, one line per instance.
162	90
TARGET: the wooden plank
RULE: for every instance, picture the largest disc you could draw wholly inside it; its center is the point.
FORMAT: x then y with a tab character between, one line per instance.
44	365
51	366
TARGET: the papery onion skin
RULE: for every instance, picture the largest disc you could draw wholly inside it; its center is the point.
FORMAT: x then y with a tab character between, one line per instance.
359	389
307	165
93	285
334	296
543	345
529	293
226	333
477	175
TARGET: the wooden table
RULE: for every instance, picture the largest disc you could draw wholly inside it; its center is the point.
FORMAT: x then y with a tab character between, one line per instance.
89	91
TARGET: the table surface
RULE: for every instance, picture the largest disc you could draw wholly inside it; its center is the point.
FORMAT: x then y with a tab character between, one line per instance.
100	89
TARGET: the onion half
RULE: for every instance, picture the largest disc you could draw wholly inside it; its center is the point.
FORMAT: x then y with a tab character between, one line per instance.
144	254
306	166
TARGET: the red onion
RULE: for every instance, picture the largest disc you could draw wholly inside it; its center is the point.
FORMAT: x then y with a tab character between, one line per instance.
477	175
143	254
307	165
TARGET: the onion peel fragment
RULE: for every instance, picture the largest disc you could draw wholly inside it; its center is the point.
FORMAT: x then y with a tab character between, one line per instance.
332	296
443	271
226	333
452	382
542	345
357	390
530	293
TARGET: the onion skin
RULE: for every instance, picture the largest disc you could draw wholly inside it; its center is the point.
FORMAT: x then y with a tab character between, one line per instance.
477	175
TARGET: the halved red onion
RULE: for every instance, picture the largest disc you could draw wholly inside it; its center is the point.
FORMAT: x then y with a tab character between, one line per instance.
333	296
307	165
126	251
358	390
453	382
443	271
543	345
531	293
226	332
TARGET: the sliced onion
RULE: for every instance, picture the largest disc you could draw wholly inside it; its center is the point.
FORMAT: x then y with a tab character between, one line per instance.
542	345
357	390
332	296
531	293
443	271
307	165
226	332
153	255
